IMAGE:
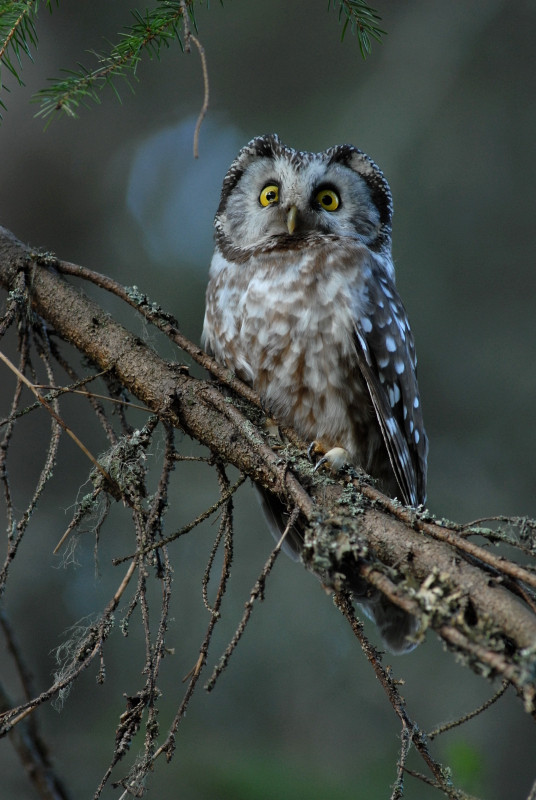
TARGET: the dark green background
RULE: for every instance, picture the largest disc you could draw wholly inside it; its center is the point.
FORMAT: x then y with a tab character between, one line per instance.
447	108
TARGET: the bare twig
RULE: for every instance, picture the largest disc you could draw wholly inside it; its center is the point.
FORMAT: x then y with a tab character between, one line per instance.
52	395
68	390
78	517
4	447
227	522
17	534
204	107
398	787
187	528
35	758
343	603
58	419
449	791
96	406
25	676
449	725
223	527
256	592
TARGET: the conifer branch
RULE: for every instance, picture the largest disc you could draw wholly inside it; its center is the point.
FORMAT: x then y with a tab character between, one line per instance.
362	19
151	31
17	33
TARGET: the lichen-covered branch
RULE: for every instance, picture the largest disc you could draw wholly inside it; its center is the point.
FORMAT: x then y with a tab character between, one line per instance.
350	529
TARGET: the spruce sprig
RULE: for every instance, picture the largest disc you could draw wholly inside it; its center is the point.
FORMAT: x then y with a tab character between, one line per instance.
362	20
17	36
151	31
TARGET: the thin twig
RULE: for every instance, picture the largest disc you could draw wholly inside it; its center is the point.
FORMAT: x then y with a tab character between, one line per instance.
256	592
206	575
227	519
52	395
187	528
16	535
34	756
4	447
68	390
179	457
59	420
398	787
78	517
343	603
204	107
449	725
454	794
25	676
96	406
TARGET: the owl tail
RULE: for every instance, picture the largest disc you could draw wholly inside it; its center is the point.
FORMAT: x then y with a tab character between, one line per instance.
394	624
276	517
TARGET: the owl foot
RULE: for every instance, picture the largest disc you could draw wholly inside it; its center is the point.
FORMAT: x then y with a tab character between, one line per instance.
336	459
314	449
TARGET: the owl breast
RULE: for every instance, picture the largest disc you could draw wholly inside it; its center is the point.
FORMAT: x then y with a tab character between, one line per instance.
284	323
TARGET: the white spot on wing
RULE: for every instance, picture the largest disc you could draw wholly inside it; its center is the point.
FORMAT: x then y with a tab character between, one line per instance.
383	362
417	437
367	324
390	344
416	403
396	392
399	366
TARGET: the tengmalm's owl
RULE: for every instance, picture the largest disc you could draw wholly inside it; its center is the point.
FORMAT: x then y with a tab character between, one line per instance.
302	306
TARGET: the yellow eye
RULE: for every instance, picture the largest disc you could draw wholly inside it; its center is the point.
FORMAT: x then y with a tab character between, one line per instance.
328	199
269	195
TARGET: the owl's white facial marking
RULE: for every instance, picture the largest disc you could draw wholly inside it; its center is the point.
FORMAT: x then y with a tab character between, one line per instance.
300	182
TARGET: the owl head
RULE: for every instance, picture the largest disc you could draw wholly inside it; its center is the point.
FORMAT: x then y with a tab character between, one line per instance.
272	192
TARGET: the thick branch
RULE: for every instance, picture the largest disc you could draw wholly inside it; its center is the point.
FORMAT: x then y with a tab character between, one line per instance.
349	536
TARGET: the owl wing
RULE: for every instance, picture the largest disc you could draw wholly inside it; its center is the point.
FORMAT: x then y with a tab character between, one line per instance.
387	360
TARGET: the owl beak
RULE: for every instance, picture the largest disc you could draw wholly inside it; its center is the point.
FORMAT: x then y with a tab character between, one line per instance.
291	219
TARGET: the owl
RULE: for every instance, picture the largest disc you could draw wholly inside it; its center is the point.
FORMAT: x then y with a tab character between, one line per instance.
302	306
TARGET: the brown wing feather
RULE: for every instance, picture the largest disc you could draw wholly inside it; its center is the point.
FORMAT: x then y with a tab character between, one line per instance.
386	357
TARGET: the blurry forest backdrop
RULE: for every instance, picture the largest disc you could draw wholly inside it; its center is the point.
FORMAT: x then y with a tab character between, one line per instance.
447	108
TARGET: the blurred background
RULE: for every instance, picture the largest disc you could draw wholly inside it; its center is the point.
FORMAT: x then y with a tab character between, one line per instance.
447	109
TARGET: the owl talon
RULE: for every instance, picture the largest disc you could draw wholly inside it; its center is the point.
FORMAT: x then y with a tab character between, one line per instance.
311	450
336	458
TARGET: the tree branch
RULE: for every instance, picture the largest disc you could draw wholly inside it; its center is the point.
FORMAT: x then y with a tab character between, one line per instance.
352	532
